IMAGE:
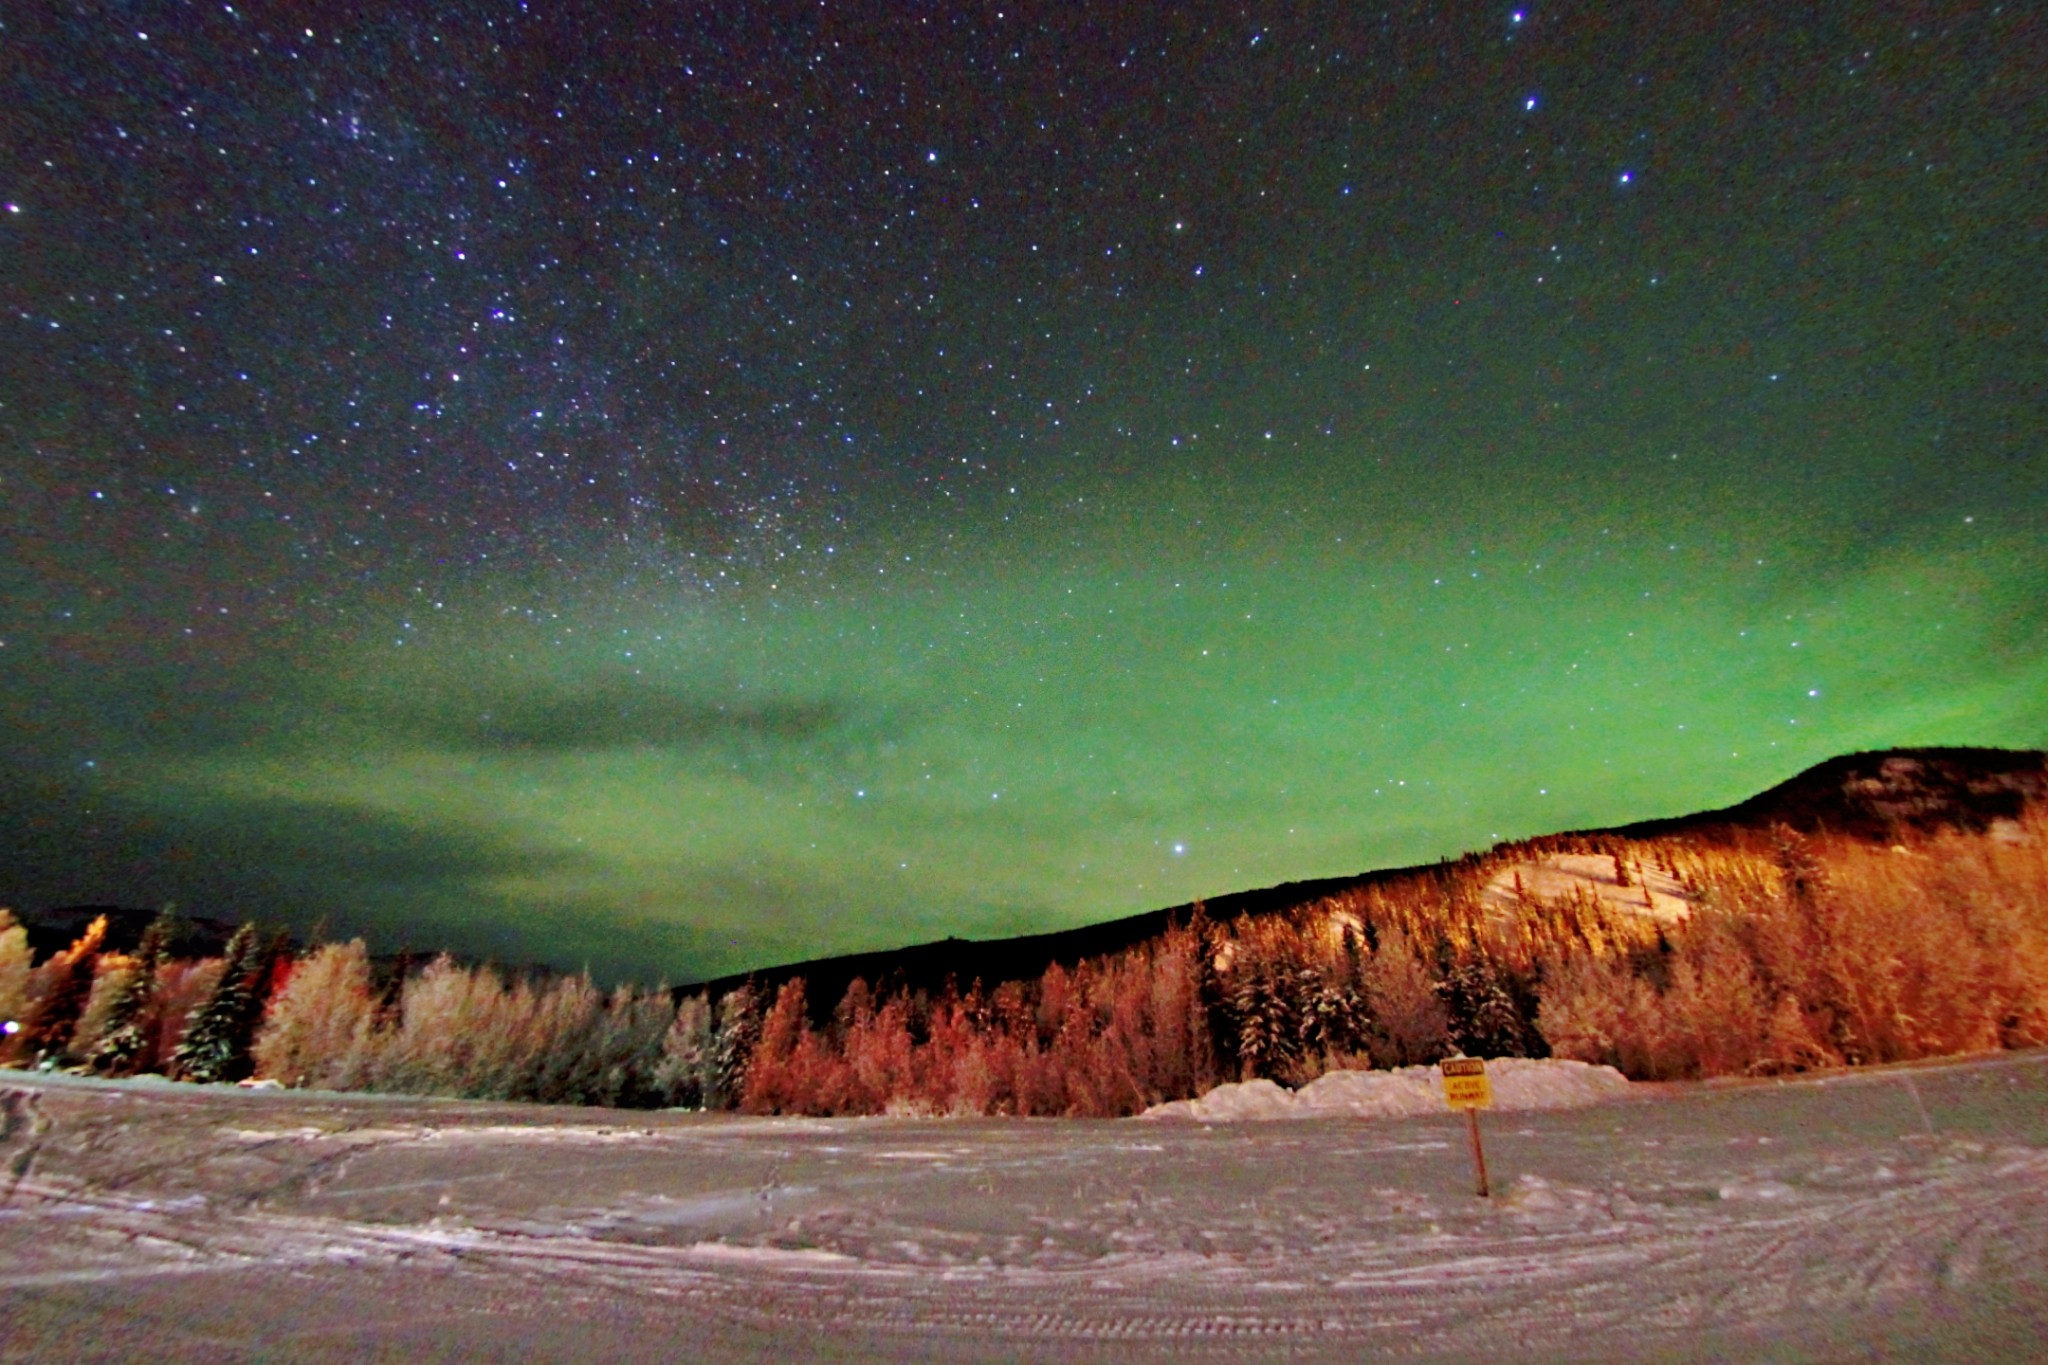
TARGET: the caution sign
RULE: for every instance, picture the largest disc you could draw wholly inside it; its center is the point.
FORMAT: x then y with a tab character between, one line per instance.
1466	1088
1465	1083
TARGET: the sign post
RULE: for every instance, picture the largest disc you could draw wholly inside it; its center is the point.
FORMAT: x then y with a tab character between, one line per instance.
1466	1088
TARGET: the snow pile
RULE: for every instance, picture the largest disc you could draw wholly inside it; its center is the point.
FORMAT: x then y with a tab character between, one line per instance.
1518	1083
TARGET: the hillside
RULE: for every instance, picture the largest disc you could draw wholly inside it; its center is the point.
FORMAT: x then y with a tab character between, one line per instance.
1873	796
1880	795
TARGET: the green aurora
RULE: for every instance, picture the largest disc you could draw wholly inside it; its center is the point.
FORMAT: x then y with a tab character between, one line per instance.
1197	689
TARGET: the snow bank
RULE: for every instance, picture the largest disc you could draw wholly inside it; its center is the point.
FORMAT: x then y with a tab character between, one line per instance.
1518	1083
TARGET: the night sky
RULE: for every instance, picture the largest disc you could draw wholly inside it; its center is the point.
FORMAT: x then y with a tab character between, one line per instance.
684	488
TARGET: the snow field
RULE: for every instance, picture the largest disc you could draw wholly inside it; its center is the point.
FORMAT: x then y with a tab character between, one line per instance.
1902	1212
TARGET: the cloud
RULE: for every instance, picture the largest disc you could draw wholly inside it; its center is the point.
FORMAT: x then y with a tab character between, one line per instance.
549	717
127	837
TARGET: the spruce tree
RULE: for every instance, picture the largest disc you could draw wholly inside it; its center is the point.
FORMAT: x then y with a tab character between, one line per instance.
1806	877
1212	993
1485	1019
121	1048
739	1028
391	994
1268	1023
1335	1021
216	1042
629	1047
686	1055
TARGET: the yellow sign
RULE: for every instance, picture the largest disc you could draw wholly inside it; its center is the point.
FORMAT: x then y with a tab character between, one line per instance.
1465	1083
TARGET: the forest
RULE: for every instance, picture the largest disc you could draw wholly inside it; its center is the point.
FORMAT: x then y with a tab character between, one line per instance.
1793	952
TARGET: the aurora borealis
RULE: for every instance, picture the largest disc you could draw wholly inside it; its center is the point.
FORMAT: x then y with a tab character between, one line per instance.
691	492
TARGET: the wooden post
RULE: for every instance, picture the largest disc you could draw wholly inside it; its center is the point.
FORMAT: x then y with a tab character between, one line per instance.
1478	1152
1466	1088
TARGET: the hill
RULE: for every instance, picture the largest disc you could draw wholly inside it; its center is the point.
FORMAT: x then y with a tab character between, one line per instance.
1881	794
1874	796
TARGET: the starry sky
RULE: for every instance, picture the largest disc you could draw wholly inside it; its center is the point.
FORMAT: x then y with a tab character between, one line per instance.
683	488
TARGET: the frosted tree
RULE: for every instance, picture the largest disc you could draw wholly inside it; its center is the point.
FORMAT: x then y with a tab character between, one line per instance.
1593	1006
1485	1021
123	1043
110	977
1409	1024
687	1052
1335	1022
313	1025
628	1047
67	985
216	1042
561	1056
430	1026
739	1028
1268	1020
461	1031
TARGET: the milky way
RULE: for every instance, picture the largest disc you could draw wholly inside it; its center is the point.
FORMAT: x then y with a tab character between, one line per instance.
684	492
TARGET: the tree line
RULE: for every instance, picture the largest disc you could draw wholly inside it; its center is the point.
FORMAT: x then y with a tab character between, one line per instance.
1795	953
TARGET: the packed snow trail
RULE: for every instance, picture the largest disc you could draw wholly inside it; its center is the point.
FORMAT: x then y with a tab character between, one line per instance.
1905	1209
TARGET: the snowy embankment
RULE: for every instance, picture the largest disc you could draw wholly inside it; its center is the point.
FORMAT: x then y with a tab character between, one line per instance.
1518	1083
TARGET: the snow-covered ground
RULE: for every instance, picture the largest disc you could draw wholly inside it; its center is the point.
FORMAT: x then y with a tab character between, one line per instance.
1901	1212
1650	891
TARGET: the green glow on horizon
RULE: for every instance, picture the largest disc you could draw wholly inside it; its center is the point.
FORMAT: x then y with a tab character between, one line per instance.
717	785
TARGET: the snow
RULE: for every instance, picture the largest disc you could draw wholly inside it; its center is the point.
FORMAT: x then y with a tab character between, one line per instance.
1651	892
765	1257
1518	1083
1899	1213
